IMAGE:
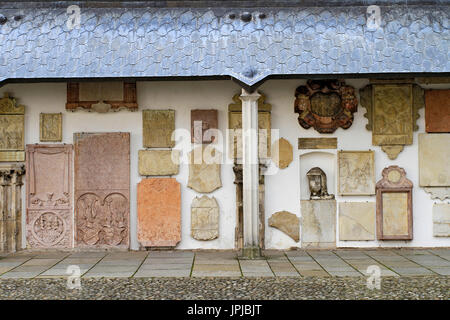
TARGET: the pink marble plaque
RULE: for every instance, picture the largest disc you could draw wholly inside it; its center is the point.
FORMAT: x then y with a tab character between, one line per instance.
102	189
49	196
159	212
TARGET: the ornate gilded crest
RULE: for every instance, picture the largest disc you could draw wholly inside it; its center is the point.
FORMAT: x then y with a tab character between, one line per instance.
325	105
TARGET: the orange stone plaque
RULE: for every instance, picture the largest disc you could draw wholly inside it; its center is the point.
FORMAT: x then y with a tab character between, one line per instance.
437	110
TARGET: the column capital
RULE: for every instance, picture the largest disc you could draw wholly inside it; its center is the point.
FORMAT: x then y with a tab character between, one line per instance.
246	96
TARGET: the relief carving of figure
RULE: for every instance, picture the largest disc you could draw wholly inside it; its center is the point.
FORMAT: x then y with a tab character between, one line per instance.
318	184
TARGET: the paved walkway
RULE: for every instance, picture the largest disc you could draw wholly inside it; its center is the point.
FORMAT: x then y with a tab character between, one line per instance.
298	263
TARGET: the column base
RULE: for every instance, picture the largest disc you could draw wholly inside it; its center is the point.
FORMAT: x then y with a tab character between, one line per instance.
251	253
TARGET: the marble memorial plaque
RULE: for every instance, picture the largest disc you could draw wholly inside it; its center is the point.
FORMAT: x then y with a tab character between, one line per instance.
437	110
318	223
441	220
158	126
204	169
203	123
286	222
204	218
158	162
282	153
50	127
356	173
159	212
356	221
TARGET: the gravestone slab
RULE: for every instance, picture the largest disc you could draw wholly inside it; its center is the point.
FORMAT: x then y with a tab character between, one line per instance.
12	127
204	169
282	153
318	223
204	218
356	221
434	160
159	212
157	129
437	110
356	173
441	220
158	162
286	222
203	123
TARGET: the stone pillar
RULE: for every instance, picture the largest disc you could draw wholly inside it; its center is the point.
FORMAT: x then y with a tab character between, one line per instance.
11	207
250	163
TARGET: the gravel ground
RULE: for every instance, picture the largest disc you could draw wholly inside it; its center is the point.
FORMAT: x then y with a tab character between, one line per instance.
433	287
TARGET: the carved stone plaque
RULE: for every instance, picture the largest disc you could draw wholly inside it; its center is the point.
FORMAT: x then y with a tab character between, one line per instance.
318	223
12	125
286	222
434	160
204	218
392	111
394	205
437	110
49	196
159	162
356	173
356	221
50	127
282	153
101	96
158	126
204	169
235	128
325	105
159	212
317	143
203	125
441	220
102	189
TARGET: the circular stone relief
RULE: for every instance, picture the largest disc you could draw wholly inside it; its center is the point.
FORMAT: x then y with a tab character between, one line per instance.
394	176
48	229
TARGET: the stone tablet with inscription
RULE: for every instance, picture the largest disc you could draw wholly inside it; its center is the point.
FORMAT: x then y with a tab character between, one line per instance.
356	173
204	218
158	162
158	126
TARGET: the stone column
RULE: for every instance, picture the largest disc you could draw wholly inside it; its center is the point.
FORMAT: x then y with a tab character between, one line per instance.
250	173
11	207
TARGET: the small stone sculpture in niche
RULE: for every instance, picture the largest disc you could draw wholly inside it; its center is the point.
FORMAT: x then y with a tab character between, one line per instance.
318	184
325	105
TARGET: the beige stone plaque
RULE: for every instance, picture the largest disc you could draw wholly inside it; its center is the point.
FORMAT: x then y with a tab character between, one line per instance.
356	173
356	221
317	143
318	223
12	126
204	169
204	218
158	126
434	160
441	220
282	153
50	127
286	222
395	213
158	162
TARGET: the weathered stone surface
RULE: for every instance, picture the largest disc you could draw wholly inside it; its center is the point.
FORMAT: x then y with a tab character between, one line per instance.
287	222
102	189
159	212
395	214
434	160
203	125
356	221
12	126
441	220
318	223
317	143
356	173
204	169
11	207
50	127
157	129
437	110
282	153
49	196
440	193
204	218
159	162
317	182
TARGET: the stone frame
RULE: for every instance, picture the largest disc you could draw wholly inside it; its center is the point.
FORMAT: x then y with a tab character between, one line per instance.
388	185
339	178
43	117
306	95
14	114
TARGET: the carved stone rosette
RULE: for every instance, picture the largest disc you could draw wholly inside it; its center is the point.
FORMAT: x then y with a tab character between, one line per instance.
49	196
11	207
325	105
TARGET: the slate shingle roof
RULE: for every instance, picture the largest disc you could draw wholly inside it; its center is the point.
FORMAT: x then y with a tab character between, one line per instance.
165	42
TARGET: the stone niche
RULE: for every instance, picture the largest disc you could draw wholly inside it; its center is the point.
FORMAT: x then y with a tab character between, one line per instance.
102	189
157	128
356	221
394	205
441	220
318	223
437	111
11	207
204	169
204	218
159	212
50	127
204	124
286	222
356	173
282	153
392	111
12	127
158	162
101	96
49	196
434	164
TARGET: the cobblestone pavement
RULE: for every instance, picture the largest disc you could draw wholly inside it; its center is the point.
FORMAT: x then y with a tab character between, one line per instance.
299	274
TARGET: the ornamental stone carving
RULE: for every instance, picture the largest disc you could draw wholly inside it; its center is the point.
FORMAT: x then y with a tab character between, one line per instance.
12	127
356	173
50	127
318	184
204	218
325	105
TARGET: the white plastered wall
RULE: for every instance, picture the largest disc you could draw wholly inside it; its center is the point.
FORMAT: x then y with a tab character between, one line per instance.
282	188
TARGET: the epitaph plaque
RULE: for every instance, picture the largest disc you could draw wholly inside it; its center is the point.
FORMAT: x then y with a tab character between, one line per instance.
204	218
318	223
158	162
158	126
437	110
50	127
159	212
49	196
441	220
356	173
102	189
356	221
12	126
203	125
204	169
